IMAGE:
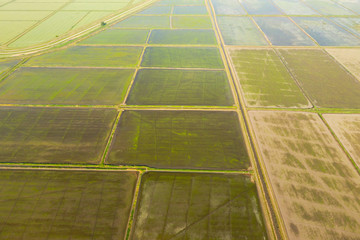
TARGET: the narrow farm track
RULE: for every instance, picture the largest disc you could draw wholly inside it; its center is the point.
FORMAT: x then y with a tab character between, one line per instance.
277	226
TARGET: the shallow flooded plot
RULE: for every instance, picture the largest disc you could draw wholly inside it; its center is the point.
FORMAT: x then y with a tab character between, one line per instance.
294	7
144	22
118	36
328	7
228	7
182	57
54	135
198	206
330	85
180	139
7	64
86	56
38	204
347	129
260	7
326	33
158	10
180	87
265	81
348	57
183	37
315	184
354	5
197	22
190	10
351	24
240	31
282	31
66	86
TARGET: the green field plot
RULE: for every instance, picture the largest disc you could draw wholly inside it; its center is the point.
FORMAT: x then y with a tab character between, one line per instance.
347	129
95	6
197	22
348	57
180	139
56	25
265	81
180	87
240	31
54	135
11	29
7	64
65	204
190	10
92	17
328	7
198	206
158	10
228	7
77	86
144	22
327	33
23	15
282	31
181	57
183	37
330	85
118	36
82	56
315	184
32	6
260	7
294	7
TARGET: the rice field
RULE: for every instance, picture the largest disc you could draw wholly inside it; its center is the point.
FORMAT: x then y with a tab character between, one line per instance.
186	119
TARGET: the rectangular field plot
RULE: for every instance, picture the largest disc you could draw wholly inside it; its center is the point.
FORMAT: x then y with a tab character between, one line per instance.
55	204
198	206
54	135
240	31
347	129
95	6
77	86
158	10
351	24
353	5
228	7
282	31
315	184
294	7
180	139
330	85
7	64
183	37
32	6
190	10
348	57
181	57
192	22
144	22
327	33
85	56
328	7
180	87
23	15
118	36
265	81
260	7
11	29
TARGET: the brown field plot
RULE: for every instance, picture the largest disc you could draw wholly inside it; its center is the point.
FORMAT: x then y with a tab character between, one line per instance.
347	129
349	57
316	186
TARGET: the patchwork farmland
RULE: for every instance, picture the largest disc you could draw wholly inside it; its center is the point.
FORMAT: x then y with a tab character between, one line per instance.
180	119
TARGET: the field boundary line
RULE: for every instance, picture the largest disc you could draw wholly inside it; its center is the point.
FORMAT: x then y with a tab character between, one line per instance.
313	39
111	137
41	167
12	69
342	146
134	206
137	68
277	229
